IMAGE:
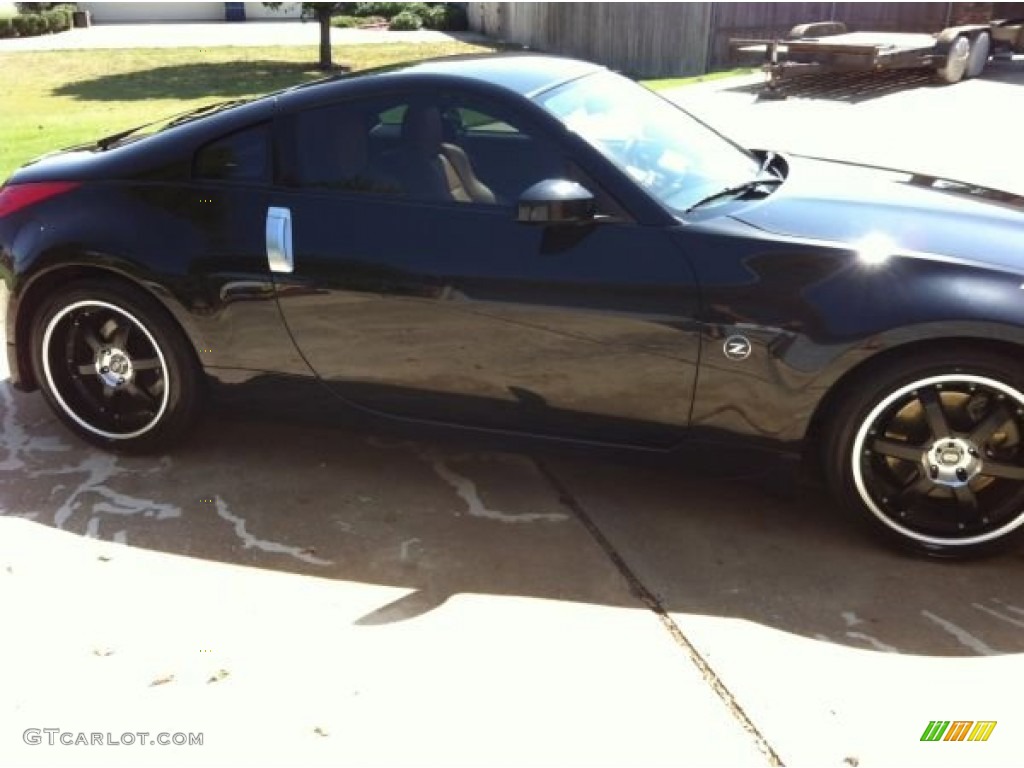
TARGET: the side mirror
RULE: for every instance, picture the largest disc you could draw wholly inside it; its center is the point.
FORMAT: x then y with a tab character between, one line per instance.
556	201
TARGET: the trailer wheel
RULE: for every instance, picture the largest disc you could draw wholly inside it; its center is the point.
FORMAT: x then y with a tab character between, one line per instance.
978	57
956	61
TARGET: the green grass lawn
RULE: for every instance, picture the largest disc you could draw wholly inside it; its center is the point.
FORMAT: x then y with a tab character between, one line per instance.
55	99
674	82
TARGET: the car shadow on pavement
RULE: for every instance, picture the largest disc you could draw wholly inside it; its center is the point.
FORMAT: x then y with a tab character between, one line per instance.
229	79
708	536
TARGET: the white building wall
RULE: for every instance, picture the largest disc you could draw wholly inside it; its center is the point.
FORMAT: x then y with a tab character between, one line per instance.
149	11
260	11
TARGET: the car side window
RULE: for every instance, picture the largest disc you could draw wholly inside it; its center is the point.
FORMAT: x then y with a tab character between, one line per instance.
438	148
242	156
330	148
498	154
459	149
474	122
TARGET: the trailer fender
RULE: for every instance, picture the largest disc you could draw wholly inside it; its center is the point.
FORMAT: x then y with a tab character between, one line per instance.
1008	34
945	39
817	29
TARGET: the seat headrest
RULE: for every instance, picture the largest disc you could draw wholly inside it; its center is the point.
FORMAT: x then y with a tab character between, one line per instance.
422	129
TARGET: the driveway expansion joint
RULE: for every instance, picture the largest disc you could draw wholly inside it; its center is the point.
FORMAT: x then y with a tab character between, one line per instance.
648	598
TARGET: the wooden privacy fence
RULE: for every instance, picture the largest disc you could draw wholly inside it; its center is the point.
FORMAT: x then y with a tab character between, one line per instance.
662	39
640	38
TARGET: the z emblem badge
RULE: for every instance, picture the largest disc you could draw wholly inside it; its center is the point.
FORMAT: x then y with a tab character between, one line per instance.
737	348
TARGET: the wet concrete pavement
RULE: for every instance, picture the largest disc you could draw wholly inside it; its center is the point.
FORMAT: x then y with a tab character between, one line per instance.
440	602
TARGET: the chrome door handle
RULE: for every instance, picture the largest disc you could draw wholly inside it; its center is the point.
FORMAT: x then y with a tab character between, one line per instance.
279	240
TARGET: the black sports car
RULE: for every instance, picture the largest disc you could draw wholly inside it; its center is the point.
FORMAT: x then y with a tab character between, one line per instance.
534	245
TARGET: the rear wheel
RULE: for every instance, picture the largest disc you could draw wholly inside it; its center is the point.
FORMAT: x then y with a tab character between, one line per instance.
952	71
114	367
930	452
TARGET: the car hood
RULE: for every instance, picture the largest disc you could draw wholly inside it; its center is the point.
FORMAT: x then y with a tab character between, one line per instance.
834	201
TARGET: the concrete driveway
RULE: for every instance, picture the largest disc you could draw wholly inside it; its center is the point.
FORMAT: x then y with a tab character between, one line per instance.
301	595
969	131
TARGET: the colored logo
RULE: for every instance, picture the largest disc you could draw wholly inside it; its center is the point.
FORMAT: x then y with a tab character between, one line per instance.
958	730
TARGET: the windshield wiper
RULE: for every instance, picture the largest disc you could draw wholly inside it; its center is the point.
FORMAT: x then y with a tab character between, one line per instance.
736	189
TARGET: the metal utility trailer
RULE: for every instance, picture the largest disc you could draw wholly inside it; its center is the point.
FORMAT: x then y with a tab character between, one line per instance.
955	53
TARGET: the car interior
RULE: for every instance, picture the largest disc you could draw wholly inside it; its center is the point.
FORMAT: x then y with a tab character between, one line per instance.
425	150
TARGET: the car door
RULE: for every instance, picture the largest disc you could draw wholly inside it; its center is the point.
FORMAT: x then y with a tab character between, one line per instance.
423	306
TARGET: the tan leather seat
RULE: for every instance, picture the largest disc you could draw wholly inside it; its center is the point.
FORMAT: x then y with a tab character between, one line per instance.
433	167
470	183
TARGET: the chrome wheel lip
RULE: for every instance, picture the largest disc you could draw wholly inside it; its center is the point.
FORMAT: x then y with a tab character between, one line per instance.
48	373
861	438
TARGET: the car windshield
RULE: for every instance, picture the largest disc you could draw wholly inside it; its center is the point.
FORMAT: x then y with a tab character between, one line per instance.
671	154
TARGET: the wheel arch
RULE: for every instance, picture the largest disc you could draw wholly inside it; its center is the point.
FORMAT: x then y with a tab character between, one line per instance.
34	292
849	379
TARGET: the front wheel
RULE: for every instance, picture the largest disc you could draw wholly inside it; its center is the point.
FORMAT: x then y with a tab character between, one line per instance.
930	452
114	367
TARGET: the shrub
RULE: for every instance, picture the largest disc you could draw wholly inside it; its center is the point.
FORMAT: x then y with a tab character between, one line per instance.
345	22
387	10
37	24
434	17
406	21
28	24
447	16
57	20
419	9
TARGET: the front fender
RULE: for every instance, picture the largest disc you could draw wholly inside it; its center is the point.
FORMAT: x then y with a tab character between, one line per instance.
814	312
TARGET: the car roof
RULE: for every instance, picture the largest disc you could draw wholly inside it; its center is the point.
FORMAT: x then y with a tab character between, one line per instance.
521	72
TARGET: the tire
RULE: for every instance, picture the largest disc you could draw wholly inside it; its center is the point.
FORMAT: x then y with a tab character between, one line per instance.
928	451
956	61
978	58
114	367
